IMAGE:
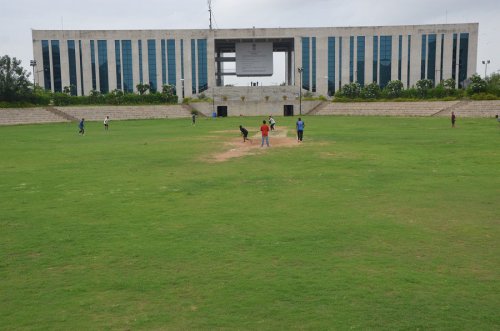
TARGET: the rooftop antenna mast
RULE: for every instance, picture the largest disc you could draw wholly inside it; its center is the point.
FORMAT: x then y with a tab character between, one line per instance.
210	11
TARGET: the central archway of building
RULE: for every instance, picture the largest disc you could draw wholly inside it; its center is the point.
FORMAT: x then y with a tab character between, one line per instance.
221	111
288	110
225	50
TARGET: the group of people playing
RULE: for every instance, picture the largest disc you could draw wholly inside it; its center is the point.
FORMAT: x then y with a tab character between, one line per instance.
264	129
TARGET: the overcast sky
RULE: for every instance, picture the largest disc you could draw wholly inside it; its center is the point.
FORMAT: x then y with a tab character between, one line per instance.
18	17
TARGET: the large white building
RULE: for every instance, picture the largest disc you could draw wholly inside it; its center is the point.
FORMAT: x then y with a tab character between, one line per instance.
322	59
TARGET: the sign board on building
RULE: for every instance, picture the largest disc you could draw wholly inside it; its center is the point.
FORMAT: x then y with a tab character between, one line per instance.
254	59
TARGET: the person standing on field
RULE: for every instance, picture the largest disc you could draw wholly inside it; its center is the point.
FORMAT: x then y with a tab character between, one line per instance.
300	129
272	122
106	123
244	133
265	133
81	126
193	119
453	119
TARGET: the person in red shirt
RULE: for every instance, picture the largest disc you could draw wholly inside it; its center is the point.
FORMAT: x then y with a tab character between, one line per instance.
265	134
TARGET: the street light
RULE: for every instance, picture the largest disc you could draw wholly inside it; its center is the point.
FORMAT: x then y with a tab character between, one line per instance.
33	64
300	69
485	62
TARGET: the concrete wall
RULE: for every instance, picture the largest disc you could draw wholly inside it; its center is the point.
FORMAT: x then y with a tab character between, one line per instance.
255	108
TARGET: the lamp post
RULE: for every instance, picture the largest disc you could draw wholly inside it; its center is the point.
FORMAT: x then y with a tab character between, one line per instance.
33	64
300	69
485	62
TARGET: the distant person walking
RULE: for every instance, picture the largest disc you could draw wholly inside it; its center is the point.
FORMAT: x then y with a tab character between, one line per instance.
498	118
244	133
106	123
272	122
453	119
81	126
193	119
265	134
300	129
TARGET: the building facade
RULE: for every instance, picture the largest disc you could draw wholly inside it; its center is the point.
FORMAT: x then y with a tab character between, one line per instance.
193	60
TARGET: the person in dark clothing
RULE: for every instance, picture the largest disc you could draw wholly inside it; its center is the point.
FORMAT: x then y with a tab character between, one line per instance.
244	133
300	129
81	126
453	119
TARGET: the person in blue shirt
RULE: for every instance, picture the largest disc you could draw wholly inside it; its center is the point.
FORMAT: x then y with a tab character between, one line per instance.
81	126
300	129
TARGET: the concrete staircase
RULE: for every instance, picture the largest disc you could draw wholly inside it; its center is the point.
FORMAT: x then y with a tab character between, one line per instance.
98	113
471	108
421	108
14	116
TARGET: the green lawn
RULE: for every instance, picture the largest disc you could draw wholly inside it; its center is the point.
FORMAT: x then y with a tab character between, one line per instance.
371	223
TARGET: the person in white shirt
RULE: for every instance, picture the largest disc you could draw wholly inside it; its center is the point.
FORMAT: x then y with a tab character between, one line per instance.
272	122
106	123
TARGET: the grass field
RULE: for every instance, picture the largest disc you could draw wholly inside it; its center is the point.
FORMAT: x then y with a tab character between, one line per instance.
370	223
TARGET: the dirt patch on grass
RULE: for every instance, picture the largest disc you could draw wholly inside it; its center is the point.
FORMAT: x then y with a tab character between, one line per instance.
235	147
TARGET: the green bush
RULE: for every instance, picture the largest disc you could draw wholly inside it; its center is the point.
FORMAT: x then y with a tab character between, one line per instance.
370	91
394	89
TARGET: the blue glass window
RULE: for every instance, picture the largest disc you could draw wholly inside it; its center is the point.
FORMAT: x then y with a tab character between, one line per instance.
423	56
141	70
163	62
72	66
400	56
351	59
431	58
340	62
331	66
463	58
202	65
128	78
375	58
193	66
454	60
118	65
305	63
182	58
92	62
153	82
441	66
313	73
385	60
47	80
360	75
102	52
56	65
81	66
171	62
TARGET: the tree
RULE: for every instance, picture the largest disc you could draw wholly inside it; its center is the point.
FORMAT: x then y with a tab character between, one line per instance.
423	87
14	82
477	84
142	88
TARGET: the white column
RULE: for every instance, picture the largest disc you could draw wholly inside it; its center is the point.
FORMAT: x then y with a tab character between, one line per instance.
415	53
438	58
394	56
135	64
322	65
87	71
112	65
404	61
64	60
345	60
